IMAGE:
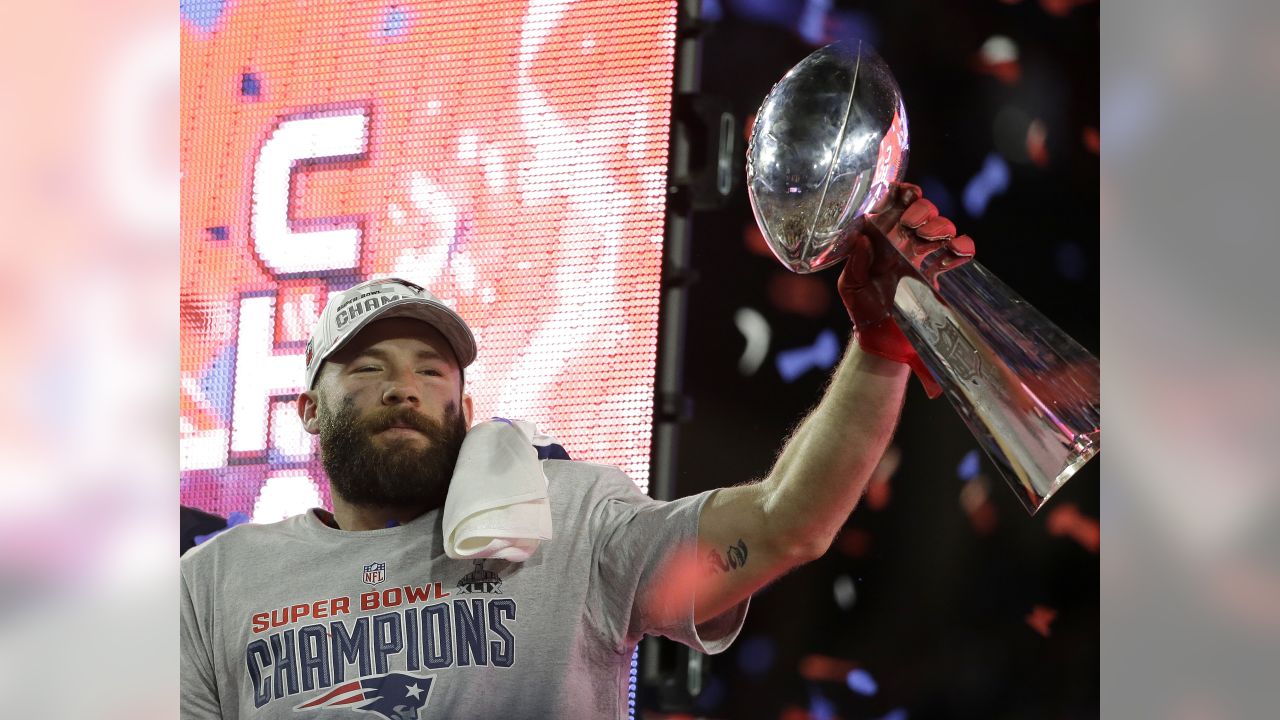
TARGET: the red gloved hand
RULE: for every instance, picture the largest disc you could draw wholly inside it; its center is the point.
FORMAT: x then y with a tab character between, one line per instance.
870	278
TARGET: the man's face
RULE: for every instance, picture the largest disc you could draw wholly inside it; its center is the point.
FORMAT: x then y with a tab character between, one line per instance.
391	416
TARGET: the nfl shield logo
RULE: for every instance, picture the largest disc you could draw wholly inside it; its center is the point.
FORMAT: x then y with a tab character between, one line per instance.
375	573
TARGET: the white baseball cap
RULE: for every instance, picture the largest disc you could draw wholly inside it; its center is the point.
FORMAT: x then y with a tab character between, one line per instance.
350	311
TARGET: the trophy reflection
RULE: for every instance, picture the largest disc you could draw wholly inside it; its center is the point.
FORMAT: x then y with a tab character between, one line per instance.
830	140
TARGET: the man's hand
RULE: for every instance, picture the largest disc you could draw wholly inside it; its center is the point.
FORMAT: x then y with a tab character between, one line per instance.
870	278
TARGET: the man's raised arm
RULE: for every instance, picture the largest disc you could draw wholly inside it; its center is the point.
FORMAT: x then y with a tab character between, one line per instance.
749	535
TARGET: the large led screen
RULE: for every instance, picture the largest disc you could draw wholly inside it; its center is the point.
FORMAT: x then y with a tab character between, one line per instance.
509	156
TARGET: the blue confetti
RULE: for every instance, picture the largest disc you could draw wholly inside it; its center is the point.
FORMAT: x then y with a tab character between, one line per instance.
712	11
393	523
394	23
204	14
969	465
861	682
820	708
812	25
823	354
250	85
755	656
218	233
990	181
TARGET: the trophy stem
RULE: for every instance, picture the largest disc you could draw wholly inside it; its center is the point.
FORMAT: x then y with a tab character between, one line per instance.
1027	391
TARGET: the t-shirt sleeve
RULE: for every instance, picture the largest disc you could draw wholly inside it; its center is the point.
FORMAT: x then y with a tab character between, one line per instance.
199	687
635	539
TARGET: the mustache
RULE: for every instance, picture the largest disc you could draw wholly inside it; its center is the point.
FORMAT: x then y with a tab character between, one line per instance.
401	417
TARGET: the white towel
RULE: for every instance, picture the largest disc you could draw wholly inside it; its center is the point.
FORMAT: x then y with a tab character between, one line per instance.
497	504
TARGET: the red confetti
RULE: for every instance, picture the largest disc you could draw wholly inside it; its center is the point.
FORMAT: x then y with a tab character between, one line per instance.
877	495
822	668
1092	141
878	487
975	499
754	240
800	294
1040	619
998	58
1062	8
1036	149
983	518
1066	520
1007	72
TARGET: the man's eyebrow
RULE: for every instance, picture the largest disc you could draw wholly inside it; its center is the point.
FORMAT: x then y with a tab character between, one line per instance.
380	354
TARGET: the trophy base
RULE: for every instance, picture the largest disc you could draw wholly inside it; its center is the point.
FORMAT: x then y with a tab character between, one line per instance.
1083	450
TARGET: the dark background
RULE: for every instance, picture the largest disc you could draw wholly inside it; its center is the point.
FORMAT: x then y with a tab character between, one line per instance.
943	588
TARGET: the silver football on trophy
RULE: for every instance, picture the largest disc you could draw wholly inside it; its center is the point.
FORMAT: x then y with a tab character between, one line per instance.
828	140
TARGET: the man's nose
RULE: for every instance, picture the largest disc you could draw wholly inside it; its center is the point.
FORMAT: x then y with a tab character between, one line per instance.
402	388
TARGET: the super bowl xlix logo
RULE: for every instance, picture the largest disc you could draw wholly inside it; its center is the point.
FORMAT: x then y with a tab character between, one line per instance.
480	580
375	573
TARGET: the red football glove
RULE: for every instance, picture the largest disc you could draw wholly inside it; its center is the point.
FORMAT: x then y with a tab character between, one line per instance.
870	278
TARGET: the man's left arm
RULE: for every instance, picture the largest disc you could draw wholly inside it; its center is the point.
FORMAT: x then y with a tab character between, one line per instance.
750	535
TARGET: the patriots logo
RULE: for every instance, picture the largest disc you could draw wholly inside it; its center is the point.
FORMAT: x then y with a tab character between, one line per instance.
395	696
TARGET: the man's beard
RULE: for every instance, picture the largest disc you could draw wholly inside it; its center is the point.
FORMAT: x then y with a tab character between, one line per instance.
398	474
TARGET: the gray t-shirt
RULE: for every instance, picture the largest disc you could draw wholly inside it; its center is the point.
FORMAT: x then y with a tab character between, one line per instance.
300	620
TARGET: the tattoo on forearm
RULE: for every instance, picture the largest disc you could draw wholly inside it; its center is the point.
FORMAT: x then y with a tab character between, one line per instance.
735	556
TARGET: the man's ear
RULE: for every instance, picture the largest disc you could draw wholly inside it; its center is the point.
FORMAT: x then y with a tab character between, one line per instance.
308	411
467	408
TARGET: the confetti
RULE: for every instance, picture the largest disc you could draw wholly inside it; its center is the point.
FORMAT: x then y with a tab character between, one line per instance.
1066	520
754	240
800	294
990	181
998	58
755	329
861	682
845	592
1092	141
824	352
1036	149
975	499
1040	619
878	488
969	465
823	668
1062	8
820	708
